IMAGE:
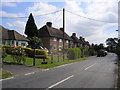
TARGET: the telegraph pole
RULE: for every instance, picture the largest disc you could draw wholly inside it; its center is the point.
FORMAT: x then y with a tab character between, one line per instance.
63	33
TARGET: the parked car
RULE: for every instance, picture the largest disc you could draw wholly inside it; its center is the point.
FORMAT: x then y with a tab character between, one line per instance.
38	47
101	53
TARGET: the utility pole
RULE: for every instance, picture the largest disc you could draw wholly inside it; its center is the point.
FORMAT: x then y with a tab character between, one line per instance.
63	33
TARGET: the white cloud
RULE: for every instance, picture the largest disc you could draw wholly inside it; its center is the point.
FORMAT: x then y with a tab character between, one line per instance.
7	4
93	31
5	14
18	26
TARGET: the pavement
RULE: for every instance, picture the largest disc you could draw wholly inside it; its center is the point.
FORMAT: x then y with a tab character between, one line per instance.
95	72
18	70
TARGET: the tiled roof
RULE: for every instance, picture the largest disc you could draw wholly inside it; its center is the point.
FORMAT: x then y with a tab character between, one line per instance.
11	35
47	31
75	39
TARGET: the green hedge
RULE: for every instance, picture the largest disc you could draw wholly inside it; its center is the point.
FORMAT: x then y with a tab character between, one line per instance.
74	53
30	52
7	48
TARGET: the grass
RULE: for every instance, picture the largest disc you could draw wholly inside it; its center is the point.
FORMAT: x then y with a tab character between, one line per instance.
5	74
29	61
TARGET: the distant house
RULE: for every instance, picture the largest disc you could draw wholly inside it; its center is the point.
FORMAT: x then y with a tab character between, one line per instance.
84	44
76	41
52	38
11	37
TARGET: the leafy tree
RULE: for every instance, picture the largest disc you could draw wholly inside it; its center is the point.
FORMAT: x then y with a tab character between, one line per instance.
112	44
31	28
118	49
35	42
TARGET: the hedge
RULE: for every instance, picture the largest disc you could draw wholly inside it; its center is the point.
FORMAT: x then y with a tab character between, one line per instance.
74	53
30	52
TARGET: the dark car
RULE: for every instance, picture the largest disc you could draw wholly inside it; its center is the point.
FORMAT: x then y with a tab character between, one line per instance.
101	53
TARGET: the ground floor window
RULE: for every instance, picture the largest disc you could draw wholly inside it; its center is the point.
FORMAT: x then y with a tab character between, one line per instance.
16	43
22	44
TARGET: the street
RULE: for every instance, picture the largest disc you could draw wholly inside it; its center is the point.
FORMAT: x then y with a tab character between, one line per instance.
95	72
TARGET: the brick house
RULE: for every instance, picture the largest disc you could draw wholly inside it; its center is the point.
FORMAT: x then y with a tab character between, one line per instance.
11	37
52	38
76	41
84	44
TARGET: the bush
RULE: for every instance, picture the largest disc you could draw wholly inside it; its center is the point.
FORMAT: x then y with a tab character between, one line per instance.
7	48
4	54
73	53
18	54
91	52
30	52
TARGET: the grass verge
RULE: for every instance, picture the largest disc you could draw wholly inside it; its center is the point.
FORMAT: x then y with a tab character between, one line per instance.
5	74
29	61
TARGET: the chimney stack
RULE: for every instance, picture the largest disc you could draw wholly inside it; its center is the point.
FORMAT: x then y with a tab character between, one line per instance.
74	34
49	24
61	29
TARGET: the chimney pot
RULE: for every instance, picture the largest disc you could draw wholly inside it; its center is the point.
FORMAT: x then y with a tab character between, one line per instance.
61	29
49	24
74	34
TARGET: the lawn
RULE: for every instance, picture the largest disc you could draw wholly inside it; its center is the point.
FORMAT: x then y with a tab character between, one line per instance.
5	74
29	61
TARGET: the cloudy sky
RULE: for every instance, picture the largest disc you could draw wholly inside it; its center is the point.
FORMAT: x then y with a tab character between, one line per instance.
95	20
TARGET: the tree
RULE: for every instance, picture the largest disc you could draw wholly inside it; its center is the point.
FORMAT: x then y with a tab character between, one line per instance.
31	28
112	43
35	42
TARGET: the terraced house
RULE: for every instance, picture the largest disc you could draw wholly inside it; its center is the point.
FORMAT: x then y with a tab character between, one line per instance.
52	38
11	37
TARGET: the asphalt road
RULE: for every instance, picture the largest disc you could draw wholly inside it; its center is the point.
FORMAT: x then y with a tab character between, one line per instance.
95	72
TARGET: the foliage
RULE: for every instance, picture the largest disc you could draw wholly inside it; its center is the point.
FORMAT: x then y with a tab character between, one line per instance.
30	52
4	54
73	53
31	28
7	48
18	54
91	51
112	44
118	49
35	42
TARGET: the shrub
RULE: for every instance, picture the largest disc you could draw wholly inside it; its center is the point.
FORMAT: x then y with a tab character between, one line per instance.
4	54
7	48
73	53
30	52
18	54
91	52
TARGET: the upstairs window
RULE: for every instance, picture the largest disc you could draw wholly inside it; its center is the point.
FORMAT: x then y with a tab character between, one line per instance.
55	39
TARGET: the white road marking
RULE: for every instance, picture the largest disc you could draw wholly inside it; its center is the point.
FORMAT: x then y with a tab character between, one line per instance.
60	82
6	78
45	69
90	66
29	73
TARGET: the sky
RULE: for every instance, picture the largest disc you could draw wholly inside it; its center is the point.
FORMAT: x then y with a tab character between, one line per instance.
95	20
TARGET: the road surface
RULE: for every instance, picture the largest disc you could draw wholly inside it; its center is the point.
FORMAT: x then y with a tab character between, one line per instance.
95	72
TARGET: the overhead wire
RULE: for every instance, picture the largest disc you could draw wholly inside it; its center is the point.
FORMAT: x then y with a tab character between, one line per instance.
88	17
34	16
